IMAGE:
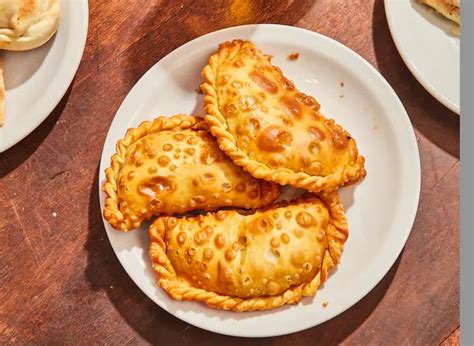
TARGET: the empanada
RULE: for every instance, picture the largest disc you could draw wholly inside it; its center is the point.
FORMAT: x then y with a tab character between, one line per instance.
271	129
173	165
451	9
250	262
27	24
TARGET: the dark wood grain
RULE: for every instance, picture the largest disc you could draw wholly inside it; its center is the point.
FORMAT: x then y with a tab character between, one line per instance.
61	282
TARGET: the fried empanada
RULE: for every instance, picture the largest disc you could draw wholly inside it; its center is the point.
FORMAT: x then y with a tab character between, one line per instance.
240	262
173	165
271	129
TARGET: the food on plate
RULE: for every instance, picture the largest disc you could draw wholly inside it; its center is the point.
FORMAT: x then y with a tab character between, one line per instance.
24	25
450	9
270	128
2	93
245	262
27	24
173	165
293	56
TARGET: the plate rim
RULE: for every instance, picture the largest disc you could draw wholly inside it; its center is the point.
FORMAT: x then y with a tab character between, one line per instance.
412	67
67	80
409	219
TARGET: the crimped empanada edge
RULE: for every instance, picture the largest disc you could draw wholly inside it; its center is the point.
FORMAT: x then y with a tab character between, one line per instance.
112	212
227	143
169	281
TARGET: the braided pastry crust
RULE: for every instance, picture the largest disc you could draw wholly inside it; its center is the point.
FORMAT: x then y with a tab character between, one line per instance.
271	129
173	165
225	259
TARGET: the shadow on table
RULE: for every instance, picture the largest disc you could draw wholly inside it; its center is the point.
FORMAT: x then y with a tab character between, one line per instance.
431	118
16	155
198	18
105	274
334	331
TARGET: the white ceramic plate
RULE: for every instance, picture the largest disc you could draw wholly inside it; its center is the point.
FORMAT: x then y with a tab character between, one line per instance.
429	49
380	210
36	80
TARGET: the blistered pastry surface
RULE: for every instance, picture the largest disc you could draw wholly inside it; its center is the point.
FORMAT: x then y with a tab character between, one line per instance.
249	262
266	125
176	169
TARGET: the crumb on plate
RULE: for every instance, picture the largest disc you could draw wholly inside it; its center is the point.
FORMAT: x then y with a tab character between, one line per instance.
325	304
293	56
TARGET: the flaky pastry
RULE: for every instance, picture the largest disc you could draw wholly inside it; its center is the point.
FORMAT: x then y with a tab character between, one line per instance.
271	129
173	165
240	262
27	24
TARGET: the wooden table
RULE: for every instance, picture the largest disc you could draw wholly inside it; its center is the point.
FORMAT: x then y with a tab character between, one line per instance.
60	280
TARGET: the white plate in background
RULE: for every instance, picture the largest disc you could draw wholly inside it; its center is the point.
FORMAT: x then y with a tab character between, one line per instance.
36	80
429	49
380	210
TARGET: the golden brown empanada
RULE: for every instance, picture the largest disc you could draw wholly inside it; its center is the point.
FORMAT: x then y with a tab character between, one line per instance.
173	165
271	129
241	262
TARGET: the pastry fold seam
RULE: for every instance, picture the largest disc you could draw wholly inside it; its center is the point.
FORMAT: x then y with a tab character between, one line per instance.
112	212
218	126
179	290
